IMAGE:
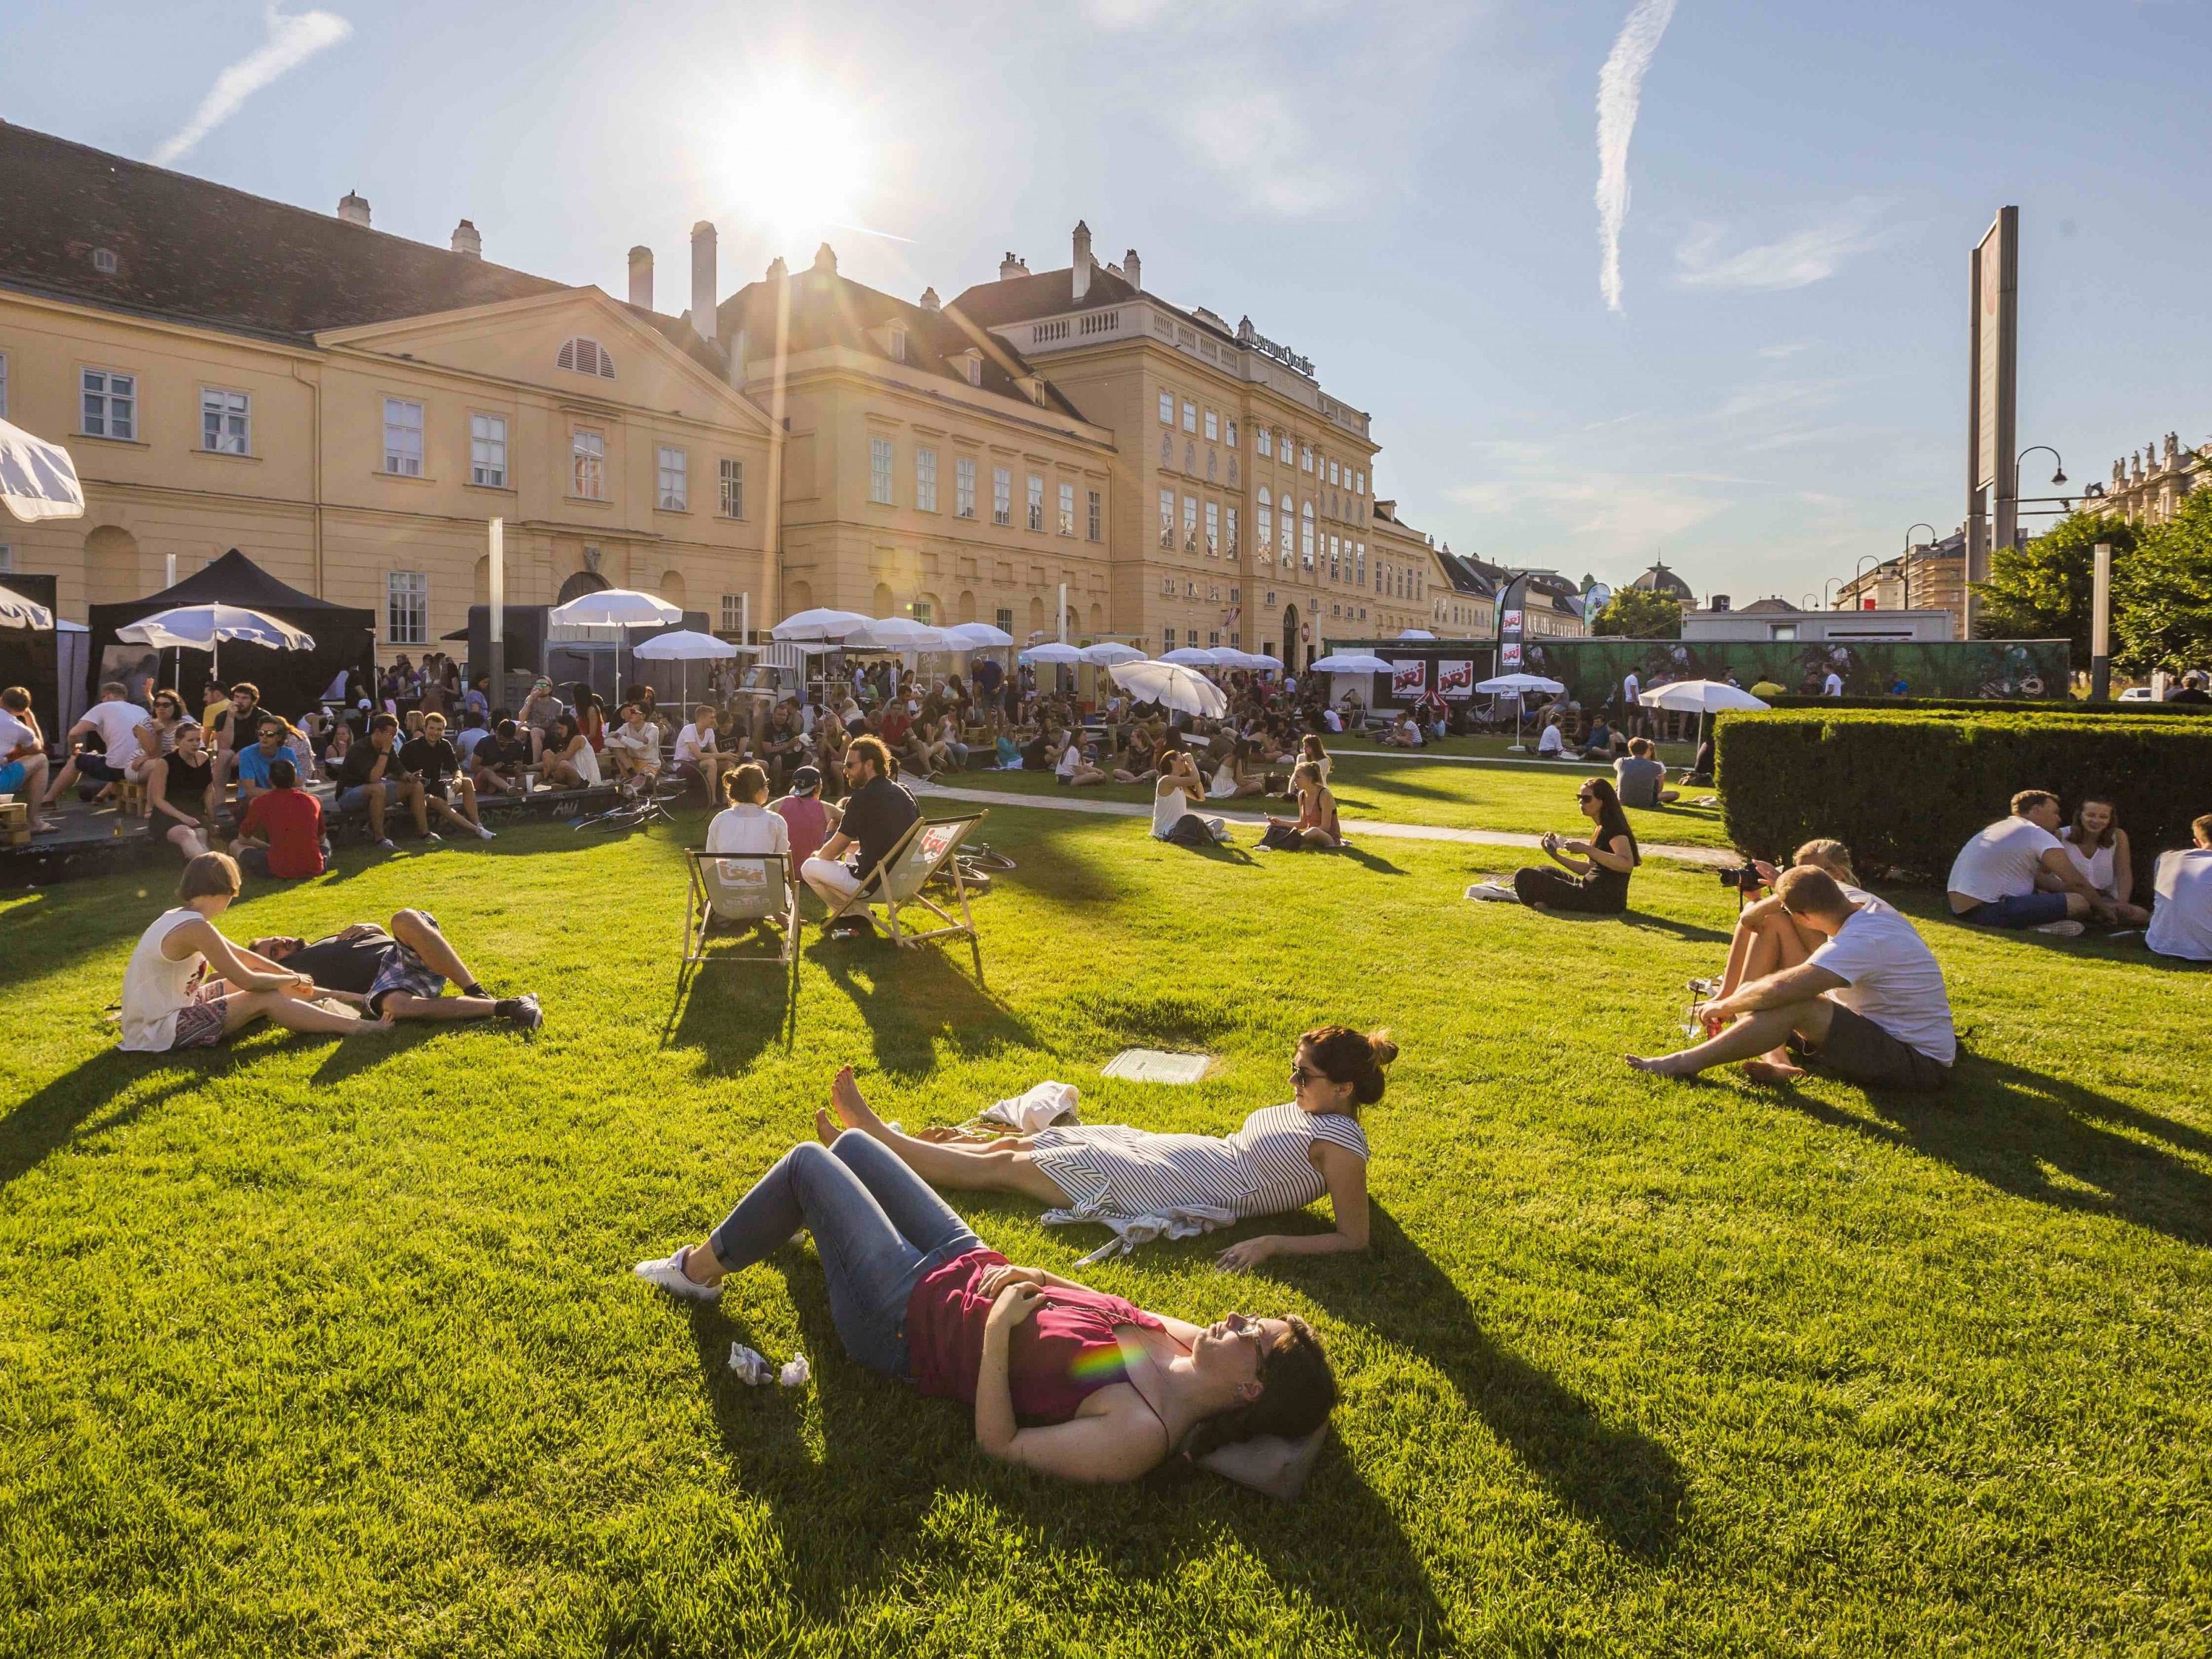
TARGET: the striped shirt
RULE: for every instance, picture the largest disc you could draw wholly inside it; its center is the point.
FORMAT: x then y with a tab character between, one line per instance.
1111	1170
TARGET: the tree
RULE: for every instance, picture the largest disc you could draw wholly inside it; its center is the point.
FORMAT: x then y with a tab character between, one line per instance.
2162	594
2043	591
1637	613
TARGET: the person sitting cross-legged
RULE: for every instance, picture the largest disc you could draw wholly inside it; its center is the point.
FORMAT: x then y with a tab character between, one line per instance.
877	814
1869	1005
432	761
1640	779
1600	867
2181	914
2098	848
399	972
634	747
1315	829
2016	874
282	833
187	987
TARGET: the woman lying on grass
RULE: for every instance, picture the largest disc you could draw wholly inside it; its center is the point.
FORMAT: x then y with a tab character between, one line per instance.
1064	1379
1281	1159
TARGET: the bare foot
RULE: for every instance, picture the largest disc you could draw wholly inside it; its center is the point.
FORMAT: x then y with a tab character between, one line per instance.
853	1111
1764	1070
1657	1065
825	1128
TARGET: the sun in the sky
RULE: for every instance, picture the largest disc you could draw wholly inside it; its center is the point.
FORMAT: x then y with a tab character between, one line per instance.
801	159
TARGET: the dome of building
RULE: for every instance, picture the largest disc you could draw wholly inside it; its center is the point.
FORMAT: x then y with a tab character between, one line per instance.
1769	604
1660	580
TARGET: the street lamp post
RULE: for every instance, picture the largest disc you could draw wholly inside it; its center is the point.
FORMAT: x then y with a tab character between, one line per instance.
1905	558
1827	603
1859	574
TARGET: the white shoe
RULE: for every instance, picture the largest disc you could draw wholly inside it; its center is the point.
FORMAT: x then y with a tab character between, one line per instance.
431	836
483	834
1493	892
388	845
2068	928
667	1271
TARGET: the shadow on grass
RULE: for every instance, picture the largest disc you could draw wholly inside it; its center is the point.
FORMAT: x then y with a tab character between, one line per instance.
2009	1126
731	1008
1373	861
912	998
1646	922
1612	1477
857	1520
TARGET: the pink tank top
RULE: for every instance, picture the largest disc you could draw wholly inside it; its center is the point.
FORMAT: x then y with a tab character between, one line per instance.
808	823
1061	1355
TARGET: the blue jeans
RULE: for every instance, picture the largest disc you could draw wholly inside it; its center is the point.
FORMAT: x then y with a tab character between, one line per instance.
2021	910
878	1226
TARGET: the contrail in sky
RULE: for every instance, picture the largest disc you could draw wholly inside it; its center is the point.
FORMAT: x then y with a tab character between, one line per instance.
1619	85
291	42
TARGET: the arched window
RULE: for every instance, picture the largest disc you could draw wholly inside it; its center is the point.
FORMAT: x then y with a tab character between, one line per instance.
584	356
1265	522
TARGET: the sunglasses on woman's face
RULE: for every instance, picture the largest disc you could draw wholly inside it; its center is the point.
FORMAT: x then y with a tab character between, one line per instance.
1301	1075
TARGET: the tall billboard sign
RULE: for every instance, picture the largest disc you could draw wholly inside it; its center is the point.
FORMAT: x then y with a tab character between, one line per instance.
1993	351
1512	602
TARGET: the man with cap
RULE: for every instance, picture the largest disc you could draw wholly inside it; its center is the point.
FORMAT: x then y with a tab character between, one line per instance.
812	820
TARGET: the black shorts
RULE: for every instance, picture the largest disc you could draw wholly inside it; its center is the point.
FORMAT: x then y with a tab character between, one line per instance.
1861	1052
96	766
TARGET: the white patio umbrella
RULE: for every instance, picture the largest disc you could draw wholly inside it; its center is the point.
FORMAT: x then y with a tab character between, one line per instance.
38	480
16	611
978	636
619	608
1262	659
818	624
1192	656
688	646
1517	685
1172	686
1415	633
894	634
205	626
1052	650
1348	662
1699	697
1107	653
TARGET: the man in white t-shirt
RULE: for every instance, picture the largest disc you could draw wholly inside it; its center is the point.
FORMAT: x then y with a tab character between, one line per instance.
24	755
1833	685
1869	1005
1632	713
117	720
2016	874
2181	914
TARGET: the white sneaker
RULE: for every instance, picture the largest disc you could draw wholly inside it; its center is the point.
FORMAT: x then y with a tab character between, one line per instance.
483	834
2068	928
667	1271
431	836
388	845
1493	892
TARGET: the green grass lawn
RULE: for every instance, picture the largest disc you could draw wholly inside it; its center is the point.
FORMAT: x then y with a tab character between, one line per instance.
323	1348
1410	789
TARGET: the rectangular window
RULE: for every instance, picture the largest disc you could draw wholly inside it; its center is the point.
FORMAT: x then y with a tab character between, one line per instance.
402	437
587	453
1167	518
111	405
1332	478
1067	510
1212	638
1167	409
1265	526
733	613
1306	457
925	479
963	487
1190	524
487	451
7	560
1359	555
1002	496
1190	417
1096	522
1036	500
1168	635
1006	619
1230	436
921	608
1212	427
1213	528
733	489
1264	441
675	467
407	607
1232	532
1360	484
223	421
879	470
1336	561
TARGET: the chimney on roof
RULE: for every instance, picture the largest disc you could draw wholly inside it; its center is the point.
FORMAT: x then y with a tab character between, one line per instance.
1131	270
703	279
777	271
825	259
1082	278
466	241
929	299
1010	267
353	208
641	277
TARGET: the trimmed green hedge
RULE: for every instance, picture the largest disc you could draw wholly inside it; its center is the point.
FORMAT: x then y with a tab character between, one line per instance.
1992	706
1905	790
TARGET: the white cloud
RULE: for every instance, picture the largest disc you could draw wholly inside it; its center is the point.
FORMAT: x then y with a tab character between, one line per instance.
1619	92
1785	349
1127	14
291	42
1259	141
1811	255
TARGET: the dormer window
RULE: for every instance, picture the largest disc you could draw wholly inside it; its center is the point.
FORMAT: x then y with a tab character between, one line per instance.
103	261
898	345
584	356
975	366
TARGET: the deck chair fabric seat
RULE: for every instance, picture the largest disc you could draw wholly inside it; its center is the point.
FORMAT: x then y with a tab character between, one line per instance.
929	846
740	888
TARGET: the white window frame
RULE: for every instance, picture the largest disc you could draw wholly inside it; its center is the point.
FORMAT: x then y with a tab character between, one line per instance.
1167	518
1002	496
1004	616
1067	510
1305	458
898	345
1212	425
406	607
232	413
1094	516
1306	534
925	477
405	459
1213	530
1229	432
1167	408
1190	524
1231	546
963	487
733	612
108	399
1034	500
678	499
1264	524
487	450
882	458
1189	415
1263	440
587	464
923	612
730	475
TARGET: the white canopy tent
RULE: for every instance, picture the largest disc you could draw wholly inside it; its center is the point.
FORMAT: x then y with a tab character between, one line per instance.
1517	686
37	479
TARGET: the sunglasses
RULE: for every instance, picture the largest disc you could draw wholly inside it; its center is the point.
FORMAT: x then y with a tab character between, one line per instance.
1302	1075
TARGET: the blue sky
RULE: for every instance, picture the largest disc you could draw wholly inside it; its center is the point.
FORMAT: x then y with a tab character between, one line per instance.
1403	192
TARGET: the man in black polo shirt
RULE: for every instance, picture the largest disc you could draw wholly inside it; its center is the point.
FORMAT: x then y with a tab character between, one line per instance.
499	760
877	813
399	973
432	760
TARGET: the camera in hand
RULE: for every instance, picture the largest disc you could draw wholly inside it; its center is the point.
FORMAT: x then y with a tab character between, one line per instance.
1744	879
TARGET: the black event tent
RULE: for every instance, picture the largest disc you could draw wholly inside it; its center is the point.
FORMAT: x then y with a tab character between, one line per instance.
290	681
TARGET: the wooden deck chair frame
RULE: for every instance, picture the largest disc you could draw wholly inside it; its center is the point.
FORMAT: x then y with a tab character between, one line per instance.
928	845
702	912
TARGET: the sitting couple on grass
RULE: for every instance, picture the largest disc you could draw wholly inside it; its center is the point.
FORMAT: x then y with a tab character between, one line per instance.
2026	872
1061	1378
1827	973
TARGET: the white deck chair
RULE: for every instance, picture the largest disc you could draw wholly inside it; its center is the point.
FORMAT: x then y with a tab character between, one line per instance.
899	881
740	887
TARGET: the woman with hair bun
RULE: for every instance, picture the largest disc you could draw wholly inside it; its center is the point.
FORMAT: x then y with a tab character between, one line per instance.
1144	1185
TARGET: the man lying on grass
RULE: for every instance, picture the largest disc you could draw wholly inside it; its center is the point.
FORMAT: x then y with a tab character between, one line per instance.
1868	1005
399	973
1062	1378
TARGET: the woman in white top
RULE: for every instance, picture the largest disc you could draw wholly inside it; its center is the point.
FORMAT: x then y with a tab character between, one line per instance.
1073	766
157	735
1311	753
1281	1159
746	825
569	760
1231	779
1171	796
187	987
2098	848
